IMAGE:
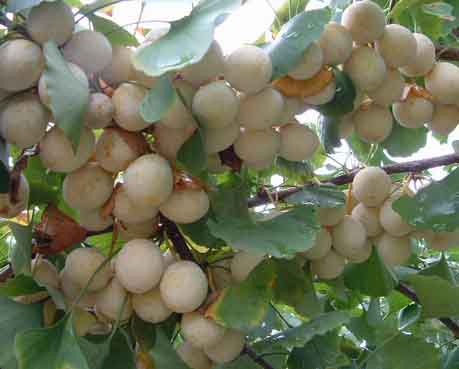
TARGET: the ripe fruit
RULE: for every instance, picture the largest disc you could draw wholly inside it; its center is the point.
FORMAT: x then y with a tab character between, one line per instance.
329	217
149	306
216	105
126	101
149	180
21	64
393	250
56	151
413	112
50	21
248	69
292	107
193	357
178	116
139	266
186	206
88	187
131	231
93	220
183	287
243	263
100	111
346	127
202	332
83	322
120	68
336	44
128	212
373	123
366	68
391	221
219	139
71	292
369	218
169	140
114	301
10	209
329	267
445	119
362	254
298	142
443	82
349	236
168	258
326	95
390	91
397	45
444	240
90	50
310	64
257	146
371	186
228	348
208	68
424	60
322	245
45	273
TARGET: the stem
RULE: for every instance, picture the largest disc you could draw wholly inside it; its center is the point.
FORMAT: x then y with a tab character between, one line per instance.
177	239
447	53
256	358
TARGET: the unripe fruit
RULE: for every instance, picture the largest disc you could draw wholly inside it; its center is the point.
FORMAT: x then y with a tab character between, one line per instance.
186	206
120	68
50	21
371	186
90	50
366	68
414	112
56	151
132	231
178	116
128	212
326	95
443	83
298	142
445	119
248	69
183	287
373	123
45	273
310	64
139	266
82	263
393	250
336	44
71	292
329	267
219	139
216	105
21	64
127	99
114	301
443	241
228	348
349	237
365	20
329	217
208	68
169	141
292	107
88	187
257	146
369	218
10	209
262	110
149	180
424	60
243	263
100	111
397	45
193	357
93	220
391	221
322	245
362	254
390	91
202	332
149	306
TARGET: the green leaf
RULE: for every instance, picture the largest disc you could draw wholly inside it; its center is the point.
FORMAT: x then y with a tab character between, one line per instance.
329	132
405	142
343	102
404	5
451	360
409	315
283	236
286	51
116	34
20	285
144	333
230	197
324	196
120	355
15	318
439	9
4	172
187	40
158	101
199	233
298	171
164	355
69	97
288	11
440	269
371	278
192	155
21	250
95	350
15	6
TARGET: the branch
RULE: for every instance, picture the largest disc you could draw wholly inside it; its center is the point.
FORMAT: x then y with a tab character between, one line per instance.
256	358
177	239
447	53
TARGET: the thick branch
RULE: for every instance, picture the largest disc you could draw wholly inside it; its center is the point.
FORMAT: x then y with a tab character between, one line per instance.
257	358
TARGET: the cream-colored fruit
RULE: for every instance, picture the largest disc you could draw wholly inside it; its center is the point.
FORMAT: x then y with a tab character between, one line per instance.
329	217
113	302
262	110
4	94
362	254
200	331
186	91
310	64
322	245
178	116
193	357
373	123
56	151
397	46
346	127
72	292
208	68
90	50
257	146
371	186
369	218
128	212
84	263
132	231
45	273
21	64
248	69
168	258
443	241
326	95
445	119
243	263
336	44
127	99
390	91
149	180
169	141
83	321
120	69
443	83
216	105
93	220
424	59
349	237
8	207
228	348
391	221
298	142
329	267
414	112
186	206
100	111
50	21
292	107
88	187
219	139
393	250
221	273
183	287
366	68
149	306
139	266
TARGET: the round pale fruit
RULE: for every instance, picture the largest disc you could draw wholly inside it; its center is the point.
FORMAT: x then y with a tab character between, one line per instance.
292	107
373	123
322	245
84	263
216	105
100	111
193	357
346	127
369	218
183	287
326	95
168	258
362	254
221	273
310	64
228	348
113	302
262	110
349	237
248	69
8	207
391	221
186	90
257	146
219	139
168	141
45	273
336	44
149	180
397	45
90	50
149	306
393	250
329	217
128	212
208	68
132	231
243	263
365	20
88	187
413	112
371	186
202	332
120	68
443	83
139	266
298	142
366	68
50	21
93	220
127	99
390	91
72	292
56	151
424	60
445	119
186	206
178	116
443	241
329	267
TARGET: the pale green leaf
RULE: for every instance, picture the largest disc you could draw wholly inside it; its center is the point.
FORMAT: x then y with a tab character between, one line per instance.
158	101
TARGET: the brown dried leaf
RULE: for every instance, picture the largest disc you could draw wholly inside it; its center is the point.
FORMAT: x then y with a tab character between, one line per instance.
304	88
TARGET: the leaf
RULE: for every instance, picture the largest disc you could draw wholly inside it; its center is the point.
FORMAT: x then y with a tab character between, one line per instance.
405	142
21	250
4	172
192	155
95	350
299	171
324	196
230	197
187	40
20	285
343	101
116	34
121	355
200	234
409	315
69	97
451	360
283	236
440	269
15	6
329	132
164	355
144	333
371	278
286	51
403	5
288	10
15	318
439	9
158	101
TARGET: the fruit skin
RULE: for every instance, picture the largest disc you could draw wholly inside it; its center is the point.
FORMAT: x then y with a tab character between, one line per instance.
183	287
219	139
424	60
228	348
322	245
111	300
193	357
132	231
373	123
298	142
363	254
72	291
186	206
369	218
330	216
414	112
200	331
329	267
45	273
120	69
366	68
310	64
397	45
349	237
371	186
257	146
243	263
150	307
326	95
100	111
178	116
445	119
8	209
336	44
391	221
248	69
292	107
128	212
393	250
443	83
127	99
169	140
92	220
208	68
21	64
390	91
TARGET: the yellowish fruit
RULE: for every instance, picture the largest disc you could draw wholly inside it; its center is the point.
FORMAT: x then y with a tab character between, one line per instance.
329	217
413	112
310	64
390	91
366	68
127	99
100	111
186	206
397	45
322	245
391	221
257	146
243	263
208	68
445	119
298	142
193	357
373	123
424	59
393	250
201	331
369	218
149	306
349	237
336	44
228	348
113	302
443	83
329	267
371	186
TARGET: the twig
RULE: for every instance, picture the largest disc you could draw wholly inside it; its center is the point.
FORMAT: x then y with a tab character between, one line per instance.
177	239
256	358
